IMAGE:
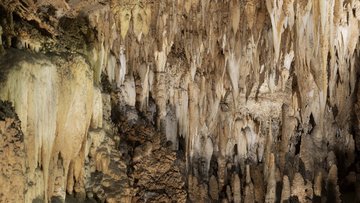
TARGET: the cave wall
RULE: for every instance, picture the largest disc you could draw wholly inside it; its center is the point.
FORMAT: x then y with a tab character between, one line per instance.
187	100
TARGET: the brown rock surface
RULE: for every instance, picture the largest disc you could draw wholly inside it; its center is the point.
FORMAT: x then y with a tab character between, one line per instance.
12	163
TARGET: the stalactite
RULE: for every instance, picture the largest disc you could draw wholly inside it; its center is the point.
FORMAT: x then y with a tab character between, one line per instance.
241	100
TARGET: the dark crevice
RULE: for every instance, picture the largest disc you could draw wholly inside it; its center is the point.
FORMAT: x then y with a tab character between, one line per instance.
312	123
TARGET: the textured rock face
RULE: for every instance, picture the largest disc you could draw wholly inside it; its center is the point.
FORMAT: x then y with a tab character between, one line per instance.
13	171
176	101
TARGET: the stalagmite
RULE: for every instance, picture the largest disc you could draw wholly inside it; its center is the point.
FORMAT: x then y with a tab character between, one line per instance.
331	186
271	183
298	188
249	187
236	187
318	185
213	188
286	191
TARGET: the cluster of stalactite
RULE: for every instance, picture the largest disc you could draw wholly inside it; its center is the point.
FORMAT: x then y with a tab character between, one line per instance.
253	100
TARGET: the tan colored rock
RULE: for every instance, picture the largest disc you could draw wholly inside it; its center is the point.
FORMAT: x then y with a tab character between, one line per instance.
249	187
286	190
197	192
126	100
236	188
13	157
301	189
258	178
332	186
271	183
213	188
229	193
318	184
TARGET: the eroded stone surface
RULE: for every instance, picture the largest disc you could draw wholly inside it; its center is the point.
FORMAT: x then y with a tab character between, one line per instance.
13	167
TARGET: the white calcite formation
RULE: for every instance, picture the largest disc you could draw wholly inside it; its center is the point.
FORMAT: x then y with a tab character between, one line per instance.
239	101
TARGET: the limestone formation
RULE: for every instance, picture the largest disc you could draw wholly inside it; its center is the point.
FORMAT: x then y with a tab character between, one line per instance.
179	101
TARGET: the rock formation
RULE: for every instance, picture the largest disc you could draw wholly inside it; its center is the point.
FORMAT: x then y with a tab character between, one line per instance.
179	101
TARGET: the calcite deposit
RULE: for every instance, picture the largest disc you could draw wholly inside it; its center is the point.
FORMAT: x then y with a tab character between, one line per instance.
179	101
